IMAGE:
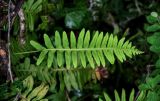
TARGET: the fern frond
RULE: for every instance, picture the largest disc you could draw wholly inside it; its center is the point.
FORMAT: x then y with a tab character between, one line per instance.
31	93
67	78
132	97
73	53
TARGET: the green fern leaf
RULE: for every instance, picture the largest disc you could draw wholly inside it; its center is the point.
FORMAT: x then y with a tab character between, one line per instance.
120	55
87	39
104	41
66	81
27	63
117	98
120	43
92	45
36	5
109	55
89	50
79	80
47	41
141	96
110	41
123	95
131	97
73	80
80	45
41	57
90	58
49	45
59	46
38	9
29	4
36	45
50	58
80	39
68	52
73	46
31	20
100	53
107	98
62	78
94	53
100	99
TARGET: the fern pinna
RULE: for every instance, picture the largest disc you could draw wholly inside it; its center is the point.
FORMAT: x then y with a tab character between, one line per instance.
86	50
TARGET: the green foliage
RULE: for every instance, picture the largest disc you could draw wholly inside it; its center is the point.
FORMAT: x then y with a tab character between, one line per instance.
151	83
95	49
45	23
32	8
16	46
75	19
9	91
132	97
65	58
24	90
33	94
152	86
154	39
70	79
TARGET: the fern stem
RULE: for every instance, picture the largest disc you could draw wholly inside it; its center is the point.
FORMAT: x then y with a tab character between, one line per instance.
57	69
76	49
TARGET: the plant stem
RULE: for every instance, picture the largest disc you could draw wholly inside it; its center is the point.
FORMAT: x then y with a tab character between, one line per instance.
8	39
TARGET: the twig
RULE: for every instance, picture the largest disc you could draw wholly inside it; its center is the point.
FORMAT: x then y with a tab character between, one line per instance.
8	39
67	96
137	6
138	93
57	69
22	26
17	97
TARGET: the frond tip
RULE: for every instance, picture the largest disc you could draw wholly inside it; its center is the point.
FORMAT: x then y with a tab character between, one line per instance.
86	50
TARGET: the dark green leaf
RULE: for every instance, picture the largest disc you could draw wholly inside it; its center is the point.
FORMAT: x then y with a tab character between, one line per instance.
117	98
158	63
73	46
35	5
131	97
36	45
59	46
74	19
153	28
48	42
41	57
107	98
67	53
151	19
123	95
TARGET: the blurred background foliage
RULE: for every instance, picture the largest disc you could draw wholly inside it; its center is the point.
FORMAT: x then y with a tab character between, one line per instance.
124	18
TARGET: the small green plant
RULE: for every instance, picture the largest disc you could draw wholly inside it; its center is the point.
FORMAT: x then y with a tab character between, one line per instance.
154	28
152	87
31	8
86	50
24	91
65	57
69	78
31	93
151	84
140	97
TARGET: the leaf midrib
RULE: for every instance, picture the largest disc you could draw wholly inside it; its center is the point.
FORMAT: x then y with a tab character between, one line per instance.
79	49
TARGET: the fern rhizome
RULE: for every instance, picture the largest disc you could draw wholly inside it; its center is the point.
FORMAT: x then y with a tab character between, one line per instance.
86	51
